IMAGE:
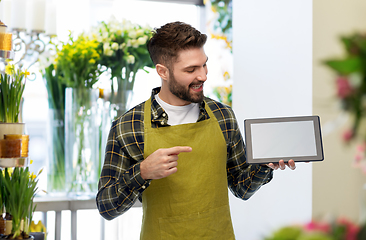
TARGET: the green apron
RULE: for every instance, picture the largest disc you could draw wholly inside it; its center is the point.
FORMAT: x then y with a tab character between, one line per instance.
192	203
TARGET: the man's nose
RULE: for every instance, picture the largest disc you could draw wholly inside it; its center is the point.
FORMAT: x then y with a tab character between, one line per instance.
202	74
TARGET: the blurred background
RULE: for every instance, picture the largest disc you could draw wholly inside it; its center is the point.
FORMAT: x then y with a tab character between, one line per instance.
337	183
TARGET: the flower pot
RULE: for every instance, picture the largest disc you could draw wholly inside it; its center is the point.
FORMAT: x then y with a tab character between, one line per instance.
11	128
37	235
29	238
2	225
8	226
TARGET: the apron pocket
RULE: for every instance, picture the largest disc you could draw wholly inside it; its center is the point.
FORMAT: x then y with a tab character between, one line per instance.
212	224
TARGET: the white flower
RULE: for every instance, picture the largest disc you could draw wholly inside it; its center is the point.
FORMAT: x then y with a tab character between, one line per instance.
134	43
105	36
107	49
114	46
108	52
132	34
142	40
139	32
99	38
130	59
46	59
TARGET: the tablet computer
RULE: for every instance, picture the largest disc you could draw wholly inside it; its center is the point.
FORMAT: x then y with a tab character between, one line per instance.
268	140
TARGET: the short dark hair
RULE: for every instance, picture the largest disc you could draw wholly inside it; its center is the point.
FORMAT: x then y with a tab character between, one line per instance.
169	39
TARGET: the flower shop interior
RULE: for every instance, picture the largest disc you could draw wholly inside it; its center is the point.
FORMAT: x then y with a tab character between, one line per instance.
267	59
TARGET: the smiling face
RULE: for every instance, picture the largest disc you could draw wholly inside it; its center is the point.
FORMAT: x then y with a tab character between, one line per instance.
182	84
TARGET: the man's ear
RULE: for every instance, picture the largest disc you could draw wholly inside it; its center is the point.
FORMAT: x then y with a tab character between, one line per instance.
162	71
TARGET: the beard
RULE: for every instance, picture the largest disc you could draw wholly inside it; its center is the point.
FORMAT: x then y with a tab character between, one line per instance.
183	92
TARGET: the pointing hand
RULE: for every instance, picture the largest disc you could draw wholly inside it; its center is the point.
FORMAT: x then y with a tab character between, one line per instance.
162	163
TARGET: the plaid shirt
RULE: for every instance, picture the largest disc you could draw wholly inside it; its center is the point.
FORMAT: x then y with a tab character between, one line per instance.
121	184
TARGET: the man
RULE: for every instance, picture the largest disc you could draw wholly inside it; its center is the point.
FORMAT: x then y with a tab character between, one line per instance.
179	151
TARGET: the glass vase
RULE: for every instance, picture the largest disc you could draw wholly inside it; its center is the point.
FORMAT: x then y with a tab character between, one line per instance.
56	156
121	103
82	129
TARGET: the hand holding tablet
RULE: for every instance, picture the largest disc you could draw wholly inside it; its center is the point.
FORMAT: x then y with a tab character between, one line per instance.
269	140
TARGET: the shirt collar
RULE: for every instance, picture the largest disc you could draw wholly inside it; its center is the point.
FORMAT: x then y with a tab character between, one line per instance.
158	115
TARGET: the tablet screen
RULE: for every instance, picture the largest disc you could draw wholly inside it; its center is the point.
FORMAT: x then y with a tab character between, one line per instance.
272	139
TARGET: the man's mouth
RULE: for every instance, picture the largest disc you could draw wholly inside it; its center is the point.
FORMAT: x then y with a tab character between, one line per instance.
197	86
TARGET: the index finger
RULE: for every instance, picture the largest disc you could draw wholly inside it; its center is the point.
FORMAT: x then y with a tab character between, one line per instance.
178	149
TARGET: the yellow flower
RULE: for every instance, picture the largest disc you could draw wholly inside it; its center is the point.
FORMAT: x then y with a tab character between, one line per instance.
95	55
226	75
10	171
39	227
33	176
9	69
92	61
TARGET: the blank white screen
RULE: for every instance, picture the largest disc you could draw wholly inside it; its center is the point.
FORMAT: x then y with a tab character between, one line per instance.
283	139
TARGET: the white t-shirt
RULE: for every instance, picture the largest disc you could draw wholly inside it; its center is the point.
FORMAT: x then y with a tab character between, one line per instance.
180	114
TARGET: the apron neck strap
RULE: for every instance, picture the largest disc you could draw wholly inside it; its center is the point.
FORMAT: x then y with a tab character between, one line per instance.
147	111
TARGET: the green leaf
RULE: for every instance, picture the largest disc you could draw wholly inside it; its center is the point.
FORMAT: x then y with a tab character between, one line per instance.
345	66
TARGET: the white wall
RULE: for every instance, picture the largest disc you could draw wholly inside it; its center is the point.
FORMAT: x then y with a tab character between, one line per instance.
273	77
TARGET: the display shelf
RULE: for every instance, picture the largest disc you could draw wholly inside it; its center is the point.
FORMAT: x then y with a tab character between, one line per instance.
6	54
14	162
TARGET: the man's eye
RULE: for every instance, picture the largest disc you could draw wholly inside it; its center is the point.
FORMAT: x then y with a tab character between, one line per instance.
190	71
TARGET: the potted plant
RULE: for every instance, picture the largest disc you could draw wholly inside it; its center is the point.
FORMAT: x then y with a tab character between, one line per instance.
19	187
12	84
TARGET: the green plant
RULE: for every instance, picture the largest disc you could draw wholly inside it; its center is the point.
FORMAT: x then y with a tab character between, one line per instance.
350	71
20	189
56	102
12	84
350	82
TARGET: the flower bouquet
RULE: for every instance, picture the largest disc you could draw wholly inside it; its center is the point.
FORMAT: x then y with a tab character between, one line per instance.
123	50
76	63
350	82
17	189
